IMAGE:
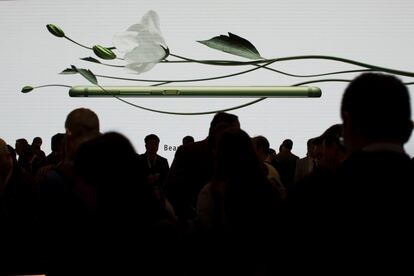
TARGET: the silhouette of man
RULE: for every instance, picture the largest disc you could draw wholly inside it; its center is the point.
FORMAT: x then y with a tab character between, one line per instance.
192	168
373	198
155	167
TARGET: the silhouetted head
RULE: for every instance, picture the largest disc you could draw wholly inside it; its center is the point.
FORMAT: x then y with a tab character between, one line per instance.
313	147
188	140
223	118
6	161
286	145
376	108
37	142
12	152
334	136
21	145
82	124
57	142
221	122
262	147
332	150
152	142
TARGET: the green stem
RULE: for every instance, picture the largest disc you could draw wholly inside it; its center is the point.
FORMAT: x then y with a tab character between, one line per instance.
189	80
49	85
71	40
162	83
344	60
319	75
284	73
265	67
216	62
190	113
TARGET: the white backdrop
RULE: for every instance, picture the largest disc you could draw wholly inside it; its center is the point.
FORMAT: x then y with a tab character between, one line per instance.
378	32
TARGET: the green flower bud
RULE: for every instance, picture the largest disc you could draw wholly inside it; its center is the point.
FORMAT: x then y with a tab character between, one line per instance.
103	52
27	89
55	30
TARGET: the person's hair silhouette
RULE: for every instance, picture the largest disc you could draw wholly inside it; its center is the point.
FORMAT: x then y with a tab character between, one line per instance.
376	108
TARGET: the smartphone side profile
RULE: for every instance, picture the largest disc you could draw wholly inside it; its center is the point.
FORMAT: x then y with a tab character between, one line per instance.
195	91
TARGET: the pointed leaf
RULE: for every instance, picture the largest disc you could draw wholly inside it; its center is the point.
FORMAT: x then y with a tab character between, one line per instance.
233	44
27	89
55	30
90	59
87	74
103	52
68	71
245	43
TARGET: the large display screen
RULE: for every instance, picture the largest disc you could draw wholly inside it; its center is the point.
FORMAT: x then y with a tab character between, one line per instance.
377	33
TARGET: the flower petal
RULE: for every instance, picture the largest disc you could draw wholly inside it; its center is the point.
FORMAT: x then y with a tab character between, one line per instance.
145	52
126	41
141	67
146	37
142	43
149	22
152	21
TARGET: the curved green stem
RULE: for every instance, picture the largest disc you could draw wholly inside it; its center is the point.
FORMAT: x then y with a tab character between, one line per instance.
344	60
162	83
217	62
320	80
189	80
267	68
71	40
349	61
319	75
284	73
49	85
190	113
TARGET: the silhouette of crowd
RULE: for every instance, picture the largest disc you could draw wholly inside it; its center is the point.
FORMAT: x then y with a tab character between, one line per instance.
228	204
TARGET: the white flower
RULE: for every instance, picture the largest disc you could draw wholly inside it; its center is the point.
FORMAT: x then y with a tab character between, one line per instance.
142	44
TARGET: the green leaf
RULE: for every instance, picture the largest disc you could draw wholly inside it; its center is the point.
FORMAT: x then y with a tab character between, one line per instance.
68	71
87	74
103	52
55	30
233	44
27	89
90	59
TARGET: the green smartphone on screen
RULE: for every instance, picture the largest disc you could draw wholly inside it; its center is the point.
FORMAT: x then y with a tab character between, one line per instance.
196	91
